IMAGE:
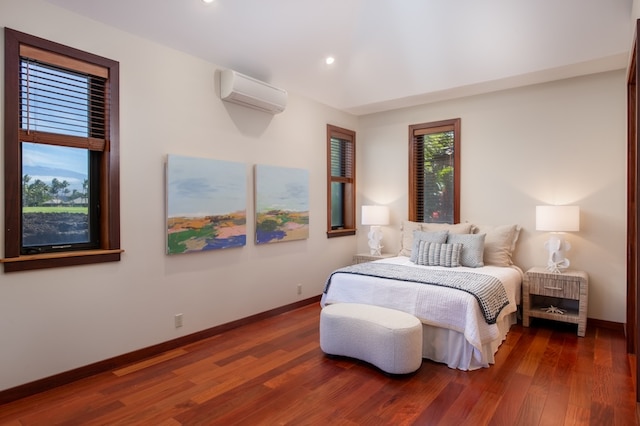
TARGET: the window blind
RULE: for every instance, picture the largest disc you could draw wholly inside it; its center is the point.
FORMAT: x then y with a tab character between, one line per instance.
434	174
341	158
58	102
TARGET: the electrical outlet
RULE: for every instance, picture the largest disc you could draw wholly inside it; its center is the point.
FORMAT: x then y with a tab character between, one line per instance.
299	288
177	319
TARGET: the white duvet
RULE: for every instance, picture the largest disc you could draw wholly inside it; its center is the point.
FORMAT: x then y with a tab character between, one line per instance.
434	305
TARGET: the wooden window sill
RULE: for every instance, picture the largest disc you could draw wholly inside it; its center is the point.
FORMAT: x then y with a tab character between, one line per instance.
340	233
53	260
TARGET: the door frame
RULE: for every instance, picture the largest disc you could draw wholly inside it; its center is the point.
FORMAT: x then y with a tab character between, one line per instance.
633	194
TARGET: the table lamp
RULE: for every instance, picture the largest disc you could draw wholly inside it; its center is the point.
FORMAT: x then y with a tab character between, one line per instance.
557	219
375	216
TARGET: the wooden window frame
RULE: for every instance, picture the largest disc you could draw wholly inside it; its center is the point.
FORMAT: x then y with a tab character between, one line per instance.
414	170
349	198
109	222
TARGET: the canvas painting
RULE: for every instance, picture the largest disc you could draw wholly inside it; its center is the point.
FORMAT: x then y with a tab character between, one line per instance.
282	204
206	204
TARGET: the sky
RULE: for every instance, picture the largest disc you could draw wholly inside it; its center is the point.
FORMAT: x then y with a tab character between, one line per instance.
199	187
281	188
44	162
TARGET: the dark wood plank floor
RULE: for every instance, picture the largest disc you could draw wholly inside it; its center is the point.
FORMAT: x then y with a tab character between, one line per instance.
273	372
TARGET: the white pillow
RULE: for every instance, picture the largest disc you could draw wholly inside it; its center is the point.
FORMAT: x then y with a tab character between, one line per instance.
406	238
499	243
458	228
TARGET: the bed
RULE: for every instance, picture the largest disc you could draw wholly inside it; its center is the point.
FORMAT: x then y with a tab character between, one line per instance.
461	328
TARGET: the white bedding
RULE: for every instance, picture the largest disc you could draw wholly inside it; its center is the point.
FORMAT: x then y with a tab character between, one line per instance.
438	308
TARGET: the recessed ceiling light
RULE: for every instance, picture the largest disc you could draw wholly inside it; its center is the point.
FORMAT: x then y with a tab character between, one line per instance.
330	60
207	1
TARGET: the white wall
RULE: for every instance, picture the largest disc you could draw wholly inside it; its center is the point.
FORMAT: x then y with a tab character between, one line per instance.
59	319
558	143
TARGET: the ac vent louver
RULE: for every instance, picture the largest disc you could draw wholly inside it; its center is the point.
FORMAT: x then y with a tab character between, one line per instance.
252	93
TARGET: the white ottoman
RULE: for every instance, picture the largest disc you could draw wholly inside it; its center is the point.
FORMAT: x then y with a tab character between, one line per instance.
389	339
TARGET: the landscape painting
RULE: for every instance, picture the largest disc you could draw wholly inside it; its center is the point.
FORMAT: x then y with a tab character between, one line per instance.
282	204
206	204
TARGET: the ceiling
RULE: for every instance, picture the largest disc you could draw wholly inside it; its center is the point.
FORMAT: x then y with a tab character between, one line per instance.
388	53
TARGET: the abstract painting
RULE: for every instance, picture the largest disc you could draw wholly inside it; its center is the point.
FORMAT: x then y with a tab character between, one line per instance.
282	204
206	204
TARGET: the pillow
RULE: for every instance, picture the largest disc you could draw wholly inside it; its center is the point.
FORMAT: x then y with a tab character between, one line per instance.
438	254
499	243
472	248
431	237
406	241
458	228
406	238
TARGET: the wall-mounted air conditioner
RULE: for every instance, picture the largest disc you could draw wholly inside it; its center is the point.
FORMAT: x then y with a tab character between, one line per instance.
247	91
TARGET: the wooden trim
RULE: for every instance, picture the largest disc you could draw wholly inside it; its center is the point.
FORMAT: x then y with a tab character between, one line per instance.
421	130
60	49
340	232
63	61
59	255
425	129
120	361
329	174
349	197
609	325
93	144
632	174
11	150
110	166
633	219
636	241
60	259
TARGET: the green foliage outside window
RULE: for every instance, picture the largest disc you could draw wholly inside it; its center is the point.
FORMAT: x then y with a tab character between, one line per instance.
438	177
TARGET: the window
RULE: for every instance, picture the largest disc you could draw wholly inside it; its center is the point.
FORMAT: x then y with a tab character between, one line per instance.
434	172
61	155
341	182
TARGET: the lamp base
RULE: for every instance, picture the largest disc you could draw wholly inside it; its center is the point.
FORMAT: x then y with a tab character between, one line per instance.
375	238
556	247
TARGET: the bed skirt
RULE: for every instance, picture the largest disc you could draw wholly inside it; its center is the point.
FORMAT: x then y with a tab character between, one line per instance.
450	347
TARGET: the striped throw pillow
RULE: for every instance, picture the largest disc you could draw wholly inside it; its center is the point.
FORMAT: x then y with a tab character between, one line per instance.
438	254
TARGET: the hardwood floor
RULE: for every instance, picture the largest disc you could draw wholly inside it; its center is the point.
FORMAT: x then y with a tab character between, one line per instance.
273	372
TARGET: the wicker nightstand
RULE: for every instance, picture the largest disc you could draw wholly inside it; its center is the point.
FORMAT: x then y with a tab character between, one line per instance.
567	292
366	257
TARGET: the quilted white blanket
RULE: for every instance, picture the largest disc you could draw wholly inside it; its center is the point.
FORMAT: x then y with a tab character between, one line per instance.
433	305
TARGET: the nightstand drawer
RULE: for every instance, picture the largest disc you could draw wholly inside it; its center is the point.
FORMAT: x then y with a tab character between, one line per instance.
556	296
555	288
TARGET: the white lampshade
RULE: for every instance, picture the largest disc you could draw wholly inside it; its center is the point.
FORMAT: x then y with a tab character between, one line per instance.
375	215
558	218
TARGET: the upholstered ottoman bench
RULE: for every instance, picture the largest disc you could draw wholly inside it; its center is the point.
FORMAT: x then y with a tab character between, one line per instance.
389	339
